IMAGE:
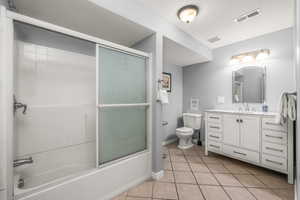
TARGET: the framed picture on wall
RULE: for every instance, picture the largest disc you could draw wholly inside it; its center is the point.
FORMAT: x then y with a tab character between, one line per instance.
167	81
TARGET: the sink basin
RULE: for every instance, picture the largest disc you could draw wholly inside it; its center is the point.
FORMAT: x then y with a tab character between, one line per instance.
242	112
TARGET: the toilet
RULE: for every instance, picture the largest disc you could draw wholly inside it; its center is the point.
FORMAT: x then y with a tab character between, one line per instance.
191	122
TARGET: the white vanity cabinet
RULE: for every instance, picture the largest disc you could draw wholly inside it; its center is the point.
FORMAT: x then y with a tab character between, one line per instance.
250	137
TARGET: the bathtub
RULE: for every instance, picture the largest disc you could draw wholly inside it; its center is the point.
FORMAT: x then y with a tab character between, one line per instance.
47	179
95	184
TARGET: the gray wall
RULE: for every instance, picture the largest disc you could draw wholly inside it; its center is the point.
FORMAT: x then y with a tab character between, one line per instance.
208	80
154	45
172	112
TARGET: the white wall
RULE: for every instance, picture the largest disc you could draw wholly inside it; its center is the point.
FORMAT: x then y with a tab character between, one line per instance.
172	112
138	13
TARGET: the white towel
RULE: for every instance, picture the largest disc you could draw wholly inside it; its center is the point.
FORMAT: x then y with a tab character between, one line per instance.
163	96
287	108
282	109
292	110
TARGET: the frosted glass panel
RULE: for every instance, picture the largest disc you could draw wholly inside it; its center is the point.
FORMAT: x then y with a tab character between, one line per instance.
122	77
123	132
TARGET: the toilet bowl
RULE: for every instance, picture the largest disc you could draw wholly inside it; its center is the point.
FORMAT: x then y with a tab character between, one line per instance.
185	137
191	122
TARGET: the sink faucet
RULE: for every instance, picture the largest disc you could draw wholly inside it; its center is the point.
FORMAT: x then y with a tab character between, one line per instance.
247	108
23	161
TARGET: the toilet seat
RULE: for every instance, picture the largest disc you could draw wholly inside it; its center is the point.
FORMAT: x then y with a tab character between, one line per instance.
185	131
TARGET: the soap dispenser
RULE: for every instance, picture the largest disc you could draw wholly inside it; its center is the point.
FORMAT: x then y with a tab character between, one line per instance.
265	107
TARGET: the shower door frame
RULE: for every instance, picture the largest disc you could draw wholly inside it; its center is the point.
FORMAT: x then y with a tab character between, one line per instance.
8	18
147	104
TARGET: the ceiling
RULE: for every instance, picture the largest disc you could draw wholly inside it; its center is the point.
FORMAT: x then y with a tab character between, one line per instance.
85	17
216	18
177	55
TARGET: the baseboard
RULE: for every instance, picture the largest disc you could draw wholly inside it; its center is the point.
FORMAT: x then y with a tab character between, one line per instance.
125	188
170	141
158	175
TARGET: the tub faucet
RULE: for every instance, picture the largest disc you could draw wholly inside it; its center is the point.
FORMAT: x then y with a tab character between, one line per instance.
23	161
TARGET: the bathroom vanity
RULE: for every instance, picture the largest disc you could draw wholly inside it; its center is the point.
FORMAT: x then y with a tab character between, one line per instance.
252	137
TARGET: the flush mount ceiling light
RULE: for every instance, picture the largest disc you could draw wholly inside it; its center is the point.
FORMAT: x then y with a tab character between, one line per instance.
250	56
188	13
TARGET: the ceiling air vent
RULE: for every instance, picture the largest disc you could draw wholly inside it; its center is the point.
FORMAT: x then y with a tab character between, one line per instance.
214	39
247	15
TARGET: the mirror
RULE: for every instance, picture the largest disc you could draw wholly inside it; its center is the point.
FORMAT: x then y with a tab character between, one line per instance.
248	85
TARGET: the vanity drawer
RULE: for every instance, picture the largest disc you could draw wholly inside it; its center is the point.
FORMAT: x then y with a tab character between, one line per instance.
274	149
274	162
214	146
215	136
274	136
214	118
214	127
241	153
268	123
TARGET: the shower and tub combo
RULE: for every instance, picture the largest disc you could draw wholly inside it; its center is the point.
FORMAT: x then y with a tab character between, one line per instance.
78	110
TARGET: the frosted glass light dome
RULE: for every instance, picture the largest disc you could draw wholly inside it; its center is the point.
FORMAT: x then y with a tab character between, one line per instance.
188	13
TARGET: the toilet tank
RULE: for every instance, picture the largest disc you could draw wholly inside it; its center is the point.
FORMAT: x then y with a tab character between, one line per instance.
192	120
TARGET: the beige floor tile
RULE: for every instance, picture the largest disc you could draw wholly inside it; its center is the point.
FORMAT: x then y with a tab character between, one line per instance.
172	146
137	198
181	166
236	169
168	177
164	191
206	179
121	196
264	194
184	177
194	159
285	194
217	168
190	152
227	180
249	180
167	165
258	170
275	181
214	193
189	192
176	152
199	168
210	160
178	159
239	193
142	190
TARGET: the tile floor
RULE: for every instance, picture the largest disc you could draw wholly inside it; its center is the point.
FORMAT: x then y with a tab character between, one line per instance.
190	175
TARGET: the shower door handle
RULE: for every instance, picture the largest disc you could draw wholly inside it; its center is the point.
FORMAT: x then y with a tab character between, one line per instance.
18	105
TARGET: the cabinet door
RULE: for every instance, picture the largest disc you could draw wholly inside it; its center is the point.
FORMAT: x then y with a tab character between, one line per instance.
250	132
231	130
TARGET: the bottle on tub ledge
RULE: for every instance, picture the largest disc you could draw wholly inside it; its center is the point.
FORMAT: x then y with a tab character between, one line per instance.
265	107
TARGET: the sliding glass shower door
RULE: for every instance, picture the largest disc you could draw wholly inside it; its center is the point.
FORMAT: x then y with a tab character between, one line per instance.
123	104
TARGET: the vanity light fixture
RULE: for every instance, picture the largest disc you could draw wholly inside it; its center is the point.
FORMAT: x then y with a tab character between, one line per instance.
188	13
250	56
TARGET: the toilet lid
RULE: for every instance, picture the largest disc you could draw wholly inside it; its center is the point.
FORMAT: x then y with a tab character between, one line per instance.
185	130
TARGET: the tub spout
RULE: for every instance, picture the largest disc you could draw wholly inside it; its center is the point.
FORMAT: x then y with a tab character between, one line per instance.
23	161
